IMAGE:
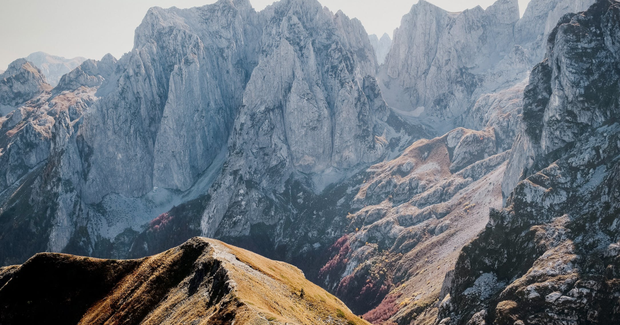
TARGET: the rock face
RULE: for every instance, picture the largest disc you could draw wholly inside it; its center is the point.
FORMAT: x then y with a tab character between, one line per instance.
33	142
19	84
202	281
539	20
106	165
182	75
409	220
381	45
551	255
311	111
53	67
441	63
219	105
412	215
439	59
115	138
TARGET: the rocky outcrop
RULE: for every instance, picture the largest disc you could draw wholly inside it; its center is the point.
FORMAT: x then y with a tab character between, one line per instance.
550	256
89	74
34	200
157	118
501	111
179	76
202	281
407	234
53	67
440	59
409	220
539	20
21	82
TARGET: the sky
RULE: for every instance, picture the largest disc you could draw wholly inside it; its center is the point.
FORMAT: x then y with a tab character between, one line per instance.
93	28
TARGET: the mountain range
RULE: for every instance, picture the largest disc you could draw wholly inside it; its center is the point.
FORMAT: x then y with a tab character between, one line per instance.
463	172
53	67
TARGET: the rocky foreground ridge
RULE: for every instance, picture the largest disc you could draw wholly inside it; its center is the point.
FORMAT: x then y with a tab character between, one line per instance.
203	281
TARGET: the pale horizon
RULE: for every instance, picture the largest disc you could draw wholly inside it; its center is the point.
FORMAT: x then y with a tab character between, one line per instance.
91	29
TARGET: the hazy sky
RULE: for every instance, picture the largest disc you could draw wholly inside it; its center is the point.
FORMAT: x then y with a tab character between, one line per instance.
92	28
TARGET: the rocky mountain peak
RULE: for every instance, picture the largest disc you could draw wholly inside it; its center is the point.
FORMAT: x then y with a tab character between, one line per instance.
107	64
441	63
311	114
202	280
90	74
424	4
21	82
27	68
567	94
539	20
506	11
245	4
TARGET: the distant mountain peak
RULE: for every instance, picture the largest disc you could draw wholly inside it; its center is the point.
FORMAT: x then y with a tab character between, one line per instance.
381	45
52	66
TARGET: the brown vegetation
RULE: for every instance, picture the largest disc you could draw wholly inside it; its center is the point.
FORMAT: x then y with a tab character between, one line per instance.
201	282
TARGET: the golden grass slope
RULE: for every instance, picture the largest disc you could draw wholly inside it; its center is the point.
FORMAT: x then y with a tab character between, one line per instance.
203	281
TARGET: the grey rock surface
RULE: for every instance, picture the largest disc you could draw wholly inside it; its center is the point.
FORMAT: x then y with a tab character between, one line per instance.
552	250
123	141
539	20
409	220
441	63
21	82
312	111
284	95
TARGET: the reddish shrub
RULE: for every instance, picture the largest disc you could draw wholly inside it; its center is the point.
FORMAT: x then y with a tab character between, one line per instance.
346	282
340	244
364	289
337	263
160	222
384	311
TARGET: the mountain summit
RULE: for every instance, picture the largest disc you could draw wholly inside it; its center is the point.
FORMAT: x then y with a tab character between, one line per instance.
203	281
